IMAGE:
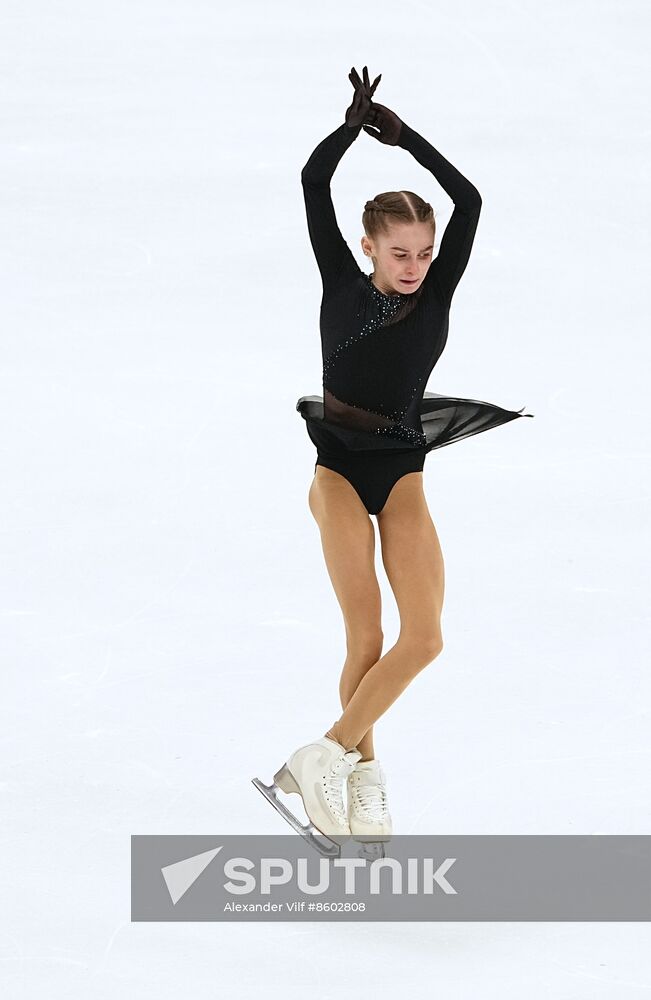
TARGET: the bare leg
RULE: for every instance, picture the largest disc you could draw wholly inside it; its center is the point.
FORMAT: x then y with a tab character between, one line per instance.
413	561
348	541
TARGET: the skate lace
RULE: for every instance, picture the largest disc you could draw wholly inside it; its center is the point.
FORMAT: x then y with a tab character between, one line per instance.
372	801
333	786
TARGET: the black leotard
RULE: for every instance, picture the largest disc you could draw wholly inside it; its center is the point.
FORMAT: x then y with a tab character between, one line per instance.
378	350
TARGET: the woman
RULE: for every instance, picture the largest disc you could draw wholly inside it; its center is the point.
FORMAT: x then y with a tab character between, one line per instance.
381	336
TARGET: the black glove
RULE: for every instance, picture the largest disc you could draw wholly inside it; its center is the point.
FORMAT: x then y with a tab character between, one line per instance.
386	122
358	110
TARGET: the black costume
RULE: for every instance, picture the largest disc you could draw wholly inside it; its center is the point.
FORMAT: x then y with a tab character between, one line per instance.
374	422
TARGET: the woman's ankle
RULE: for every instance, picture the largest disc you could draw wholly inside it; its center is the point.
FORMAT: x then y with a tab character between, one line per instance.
332	734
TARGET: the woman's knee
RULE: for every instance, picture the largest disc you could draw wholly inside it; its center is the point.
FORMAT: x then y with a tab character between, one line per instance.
364	642
423	646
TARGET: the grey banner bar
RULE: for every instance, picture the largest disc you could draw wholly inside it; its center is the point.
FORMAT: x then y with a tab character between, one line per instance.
477	877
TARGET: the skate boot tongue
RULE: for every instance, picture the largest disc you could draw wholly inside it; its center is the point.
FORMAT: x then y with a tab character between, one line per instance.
350	756
369	772
345	764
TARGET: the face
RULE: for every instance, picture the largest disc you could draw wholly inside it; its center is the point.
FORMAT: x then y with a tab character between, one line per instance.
402	257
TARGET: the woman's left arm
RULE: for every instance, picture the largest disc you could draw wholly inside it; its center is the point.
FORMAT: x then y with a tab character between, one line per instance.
459	235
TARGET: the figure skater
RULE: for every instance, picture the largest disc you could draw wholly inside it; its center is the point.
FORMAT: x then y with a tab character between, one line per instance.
381	336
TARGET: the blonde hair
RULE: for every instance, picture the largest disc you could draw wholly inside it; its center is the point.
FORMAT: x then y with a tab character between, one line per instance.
395	206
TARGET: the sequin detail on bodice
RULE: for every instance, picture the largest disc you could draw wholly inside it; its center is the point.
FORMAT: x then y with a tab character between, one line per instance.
351	413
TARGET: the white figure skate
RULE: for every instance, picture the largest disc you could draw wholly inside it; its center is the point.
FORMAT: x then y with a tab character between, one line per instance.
316	772
368	814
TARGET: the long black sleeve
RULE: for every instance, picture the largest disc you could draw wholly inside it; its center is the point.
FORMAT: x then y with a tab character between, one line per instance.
330	248
456	244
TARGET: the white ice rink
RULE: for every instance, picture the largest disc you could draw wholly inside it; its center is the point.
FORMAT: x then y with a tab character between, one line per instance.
168	627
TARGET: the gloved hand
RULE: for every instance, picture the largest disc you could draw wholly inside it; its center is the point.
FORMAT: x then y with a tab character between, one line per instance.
386	122
358	110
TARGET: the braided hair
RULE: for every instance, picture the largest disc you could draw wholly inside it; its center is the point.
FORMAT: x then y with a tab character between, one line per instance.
395	206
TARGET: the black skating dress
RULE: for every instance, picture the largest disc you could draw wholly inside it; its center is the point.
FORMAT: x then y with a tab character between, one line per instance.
375	422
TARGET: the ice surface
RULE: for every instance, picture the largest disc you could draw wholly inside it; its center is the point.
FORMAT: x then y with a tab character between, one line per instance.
168	627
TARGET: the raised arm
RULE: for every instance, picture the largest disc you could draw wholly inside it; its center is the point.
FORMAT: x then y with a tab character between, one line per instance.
456	244
330	248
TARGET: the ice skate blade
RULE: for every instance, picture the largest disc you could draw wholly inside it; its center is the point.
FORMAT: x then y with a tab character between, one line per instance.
308	830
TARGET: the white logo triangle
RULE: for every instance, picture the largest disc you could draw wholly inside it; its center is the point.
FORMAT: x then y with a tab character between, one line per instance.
182	874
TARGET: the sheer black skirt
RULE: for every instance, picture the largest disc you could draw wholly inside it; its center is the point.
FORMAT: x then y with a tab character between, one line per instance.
444	420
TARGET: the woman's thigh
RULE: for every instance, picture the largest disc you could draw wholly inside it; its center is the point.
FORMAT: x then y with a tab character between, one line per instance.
348	541
413	560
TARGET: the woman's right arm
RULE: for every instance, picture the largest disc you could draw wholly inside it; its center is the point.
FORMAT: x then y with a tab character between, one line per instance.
330	248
